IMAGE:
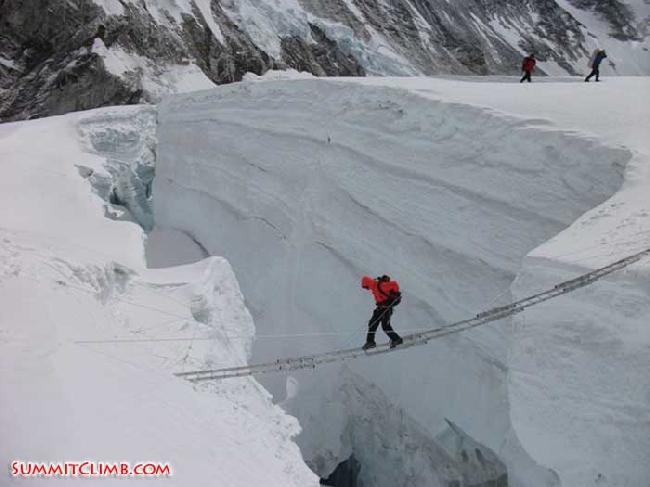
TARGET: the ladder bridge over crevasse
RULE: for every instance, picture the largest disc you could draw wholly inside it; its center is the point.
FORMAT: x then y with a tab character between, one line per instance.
415	339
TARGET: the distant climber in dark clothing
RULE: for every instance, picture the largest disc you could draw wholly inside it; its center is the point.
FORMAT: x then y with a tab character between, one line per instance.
594	63
387	296
527	67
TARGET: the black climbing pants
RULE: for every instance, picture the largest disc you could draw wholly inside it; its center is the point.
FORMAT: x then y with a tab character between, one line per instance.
526	77
381	314
594	72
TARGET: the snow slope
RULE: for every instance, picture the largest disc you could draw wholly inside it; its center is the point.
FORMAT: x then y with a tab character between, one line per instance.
446	185
72	269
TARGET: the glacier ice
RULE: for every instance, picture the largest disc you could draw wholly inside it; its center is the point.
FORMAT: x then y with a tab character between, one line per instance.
86	374
306	185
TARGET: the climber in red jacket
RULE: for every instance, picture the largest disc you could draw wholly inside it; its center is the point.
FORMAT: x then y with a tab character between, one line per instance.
527	67
387	296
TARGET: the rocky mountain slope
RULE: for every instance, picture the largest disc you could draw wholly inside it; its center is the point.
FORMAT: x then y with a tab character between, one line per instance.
58	56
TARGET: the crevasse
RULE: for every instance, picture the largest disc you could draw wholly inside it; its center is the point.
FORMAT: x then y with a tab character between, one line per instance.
306	185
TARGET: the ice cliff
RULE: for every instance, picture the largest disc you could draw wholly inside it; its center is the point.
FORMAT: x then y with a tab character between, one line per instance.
86	377
306	185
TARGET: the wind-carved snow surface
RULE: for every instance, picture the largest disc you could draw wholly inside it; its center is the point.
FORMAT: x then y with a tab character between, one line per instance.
70	276
304	197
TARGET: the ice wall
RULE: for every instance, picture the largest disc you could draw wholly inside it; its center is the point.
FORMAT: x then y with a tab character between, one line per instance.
127	141
85	374
306	185
397	450
578	380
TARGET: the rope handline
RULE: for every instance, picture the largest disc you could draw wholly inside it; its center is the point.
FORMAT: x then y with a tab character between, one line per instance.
494	314
277	335
357	332
180	317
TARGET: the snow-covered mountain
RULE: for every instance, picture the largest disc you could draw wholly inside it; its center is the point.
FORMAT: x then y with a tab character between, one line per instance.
58	56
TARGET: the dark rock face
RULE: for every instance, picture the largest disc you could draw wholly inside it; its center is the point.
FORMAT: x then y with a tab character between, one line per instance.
48	65
465	39
52	66
321	59
223	63
618	15
55	71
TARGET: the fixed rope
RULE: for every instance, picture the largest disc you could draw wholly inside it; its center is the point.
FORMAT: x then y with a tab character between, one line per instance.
415	339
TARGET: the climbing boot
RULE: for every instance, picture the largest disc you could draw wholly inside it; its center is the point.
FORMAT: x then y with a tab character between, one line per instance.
369	345
394	343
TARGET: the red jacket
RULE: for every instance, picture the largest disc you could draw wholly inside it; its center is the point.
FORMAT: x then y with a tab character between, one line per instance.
373	285
529	64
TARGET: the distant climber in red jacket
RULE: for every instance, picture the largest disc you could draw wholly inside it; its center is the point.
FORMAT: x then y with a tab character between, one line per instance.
527	67
387	296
